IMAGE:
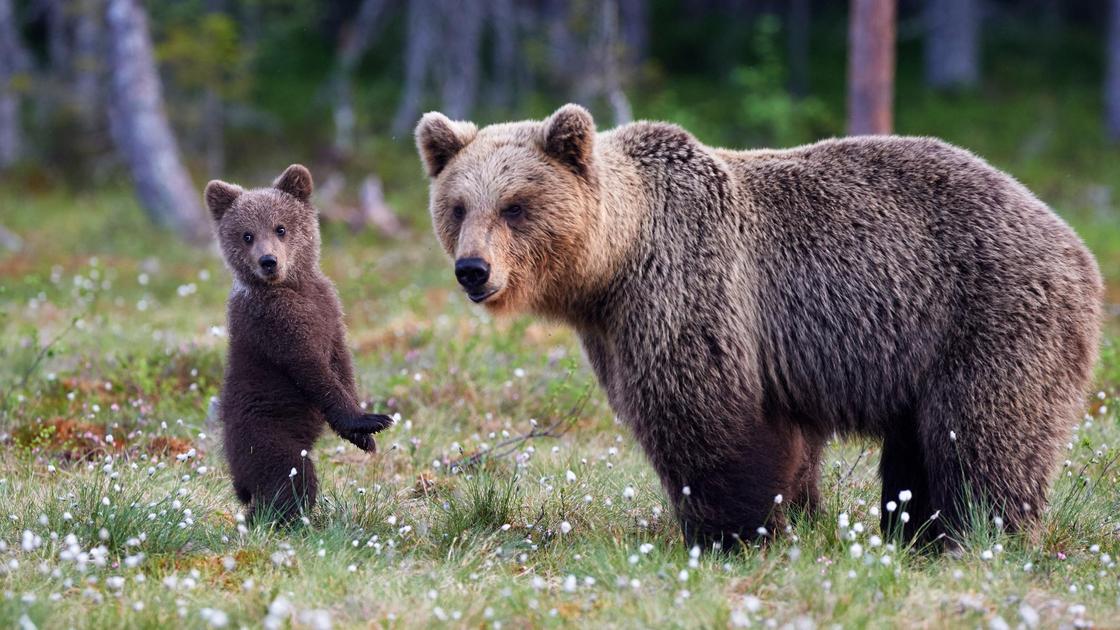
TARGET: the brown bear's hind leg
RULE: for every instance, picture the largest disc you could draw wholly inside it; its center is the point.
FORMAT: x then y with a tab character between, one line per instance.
284	498
806	497
991	429
906	488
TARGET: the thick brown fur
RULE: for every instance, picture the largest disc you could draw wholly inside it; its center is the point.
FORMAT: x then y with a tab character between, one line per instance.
740	307
289	369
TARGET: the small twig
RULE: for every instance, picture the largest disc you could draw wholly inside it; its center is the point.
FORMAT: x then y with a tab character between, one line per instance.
844	478
507	446
26	376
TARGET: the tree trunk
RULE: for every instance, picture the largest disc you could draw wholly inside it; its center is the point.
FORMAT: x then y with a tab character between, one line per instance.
1112	83
609	54
12	63
354	40
140	128
871	39
459	69
952	47
799	22
420	43
88	67
504	21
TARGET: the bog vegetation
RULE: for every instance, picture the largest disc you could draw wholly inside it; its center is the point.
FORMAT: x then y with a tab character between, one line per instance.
507	494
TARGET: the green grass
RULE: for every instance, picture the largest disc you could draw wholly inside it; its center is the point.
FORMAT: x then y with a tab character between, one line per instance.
109	328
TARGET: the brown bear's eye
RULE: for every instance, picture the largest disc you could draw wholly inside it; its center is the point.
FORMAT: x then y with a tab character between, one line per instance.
247	237
459	212
513	211
280	231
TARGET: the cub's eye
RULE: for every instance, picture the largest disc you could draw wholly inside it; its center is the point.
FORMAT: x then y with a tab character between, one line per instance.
280	231
459	212
513	211
247	237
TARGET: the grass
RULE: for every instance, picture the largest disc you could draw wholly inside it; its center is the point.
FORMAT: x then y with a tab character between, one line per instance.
116	509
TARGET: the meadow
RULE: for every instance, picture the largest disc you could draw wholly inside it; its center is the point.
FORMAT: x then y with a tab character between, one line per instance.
507	494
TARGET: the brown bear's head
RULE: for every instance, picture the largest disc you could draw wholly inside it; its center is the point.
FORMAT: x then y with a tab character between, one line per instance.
268	236
513	204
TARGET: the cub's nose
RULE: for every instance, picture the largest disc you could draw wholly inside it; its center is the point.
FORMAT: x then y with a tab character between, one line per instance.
472	273
268	263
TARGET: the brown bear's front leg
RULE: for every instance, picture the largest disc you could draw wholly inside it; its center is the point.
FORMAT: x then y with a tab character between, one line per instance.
729	495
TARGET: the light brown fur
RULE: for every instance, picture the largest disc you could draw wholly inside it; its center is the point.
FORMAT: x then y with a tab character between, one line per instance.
739	307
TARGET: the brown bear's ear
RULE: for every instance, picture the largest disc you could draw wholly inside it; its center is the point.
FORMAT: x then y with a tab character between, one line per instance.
220	196
569	137
439	139
296	181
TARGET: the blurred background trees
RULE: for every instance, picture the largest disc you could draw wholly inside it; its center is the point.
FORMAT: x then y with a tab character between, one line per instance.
166	94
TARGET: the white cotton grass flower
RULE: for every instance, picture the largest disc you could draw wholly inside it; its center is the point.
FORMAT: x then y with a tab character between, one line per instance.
905	496
565	527
628	493
293	473
891	506
777	499
570	477
856	550
686	491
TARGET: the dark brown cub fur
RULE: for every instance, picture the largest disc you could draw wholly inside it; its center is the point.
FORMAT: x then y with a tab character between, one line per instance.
289	369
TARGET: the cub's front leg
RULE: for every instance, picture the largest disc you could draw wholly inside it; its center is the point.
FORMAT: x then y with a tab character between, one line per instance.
296	347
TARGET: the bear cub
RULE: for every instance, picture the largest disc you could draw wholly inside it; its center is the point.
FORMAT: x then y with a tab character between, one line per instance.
289	369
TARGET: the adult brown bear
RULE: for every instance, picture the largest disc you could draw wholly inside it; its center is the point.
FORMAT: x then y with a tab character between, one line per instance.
739	307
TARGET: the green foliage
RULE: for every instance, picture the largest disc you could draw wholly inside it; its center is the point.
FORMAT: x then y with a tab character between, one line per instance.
207	53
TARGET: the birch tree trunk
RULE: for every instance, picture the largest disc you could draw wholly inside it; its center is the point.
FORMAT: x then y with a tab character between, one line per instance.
12	63
140	128
459	69
420	42
871	39
354	40
1112	82
952	46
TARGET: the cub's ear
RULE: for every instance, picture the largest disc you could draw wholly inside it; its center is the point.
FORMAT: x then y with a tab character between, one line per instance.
220	196
296	181
439	139
569	137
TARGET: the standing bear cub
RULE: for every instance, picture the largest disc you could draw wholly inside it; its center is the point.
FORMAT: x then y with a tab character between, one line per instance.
289	368
740	307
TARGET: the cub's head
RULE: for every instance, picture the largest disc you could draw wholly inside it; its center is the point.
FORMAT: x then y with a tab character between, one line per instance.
268	236
513	205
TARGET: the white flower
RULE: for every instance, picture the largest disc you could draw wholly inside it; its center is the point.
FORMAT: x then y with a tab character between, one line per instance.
628	492
293	473
303	453
777	499
891	506
683	575
570	476
905	516
905	496
856	550
686	491
565	527
953	436
645	548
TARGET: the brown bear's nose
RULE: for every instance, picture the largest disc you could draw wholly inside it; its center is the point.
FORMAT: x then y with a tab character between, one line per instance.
268	263
472	273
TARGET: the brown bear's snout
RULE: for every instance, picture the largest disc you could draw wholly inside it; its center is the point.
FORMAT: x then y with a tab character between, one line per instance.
268	264
473	274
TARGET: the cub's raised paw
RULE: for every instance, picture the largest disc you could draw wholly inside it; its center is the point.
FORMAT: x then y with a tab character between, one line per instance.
363	441
374	423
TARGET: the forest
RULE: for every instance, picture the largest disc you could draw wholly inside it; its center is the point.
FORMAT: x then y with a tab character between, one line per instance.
508	493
